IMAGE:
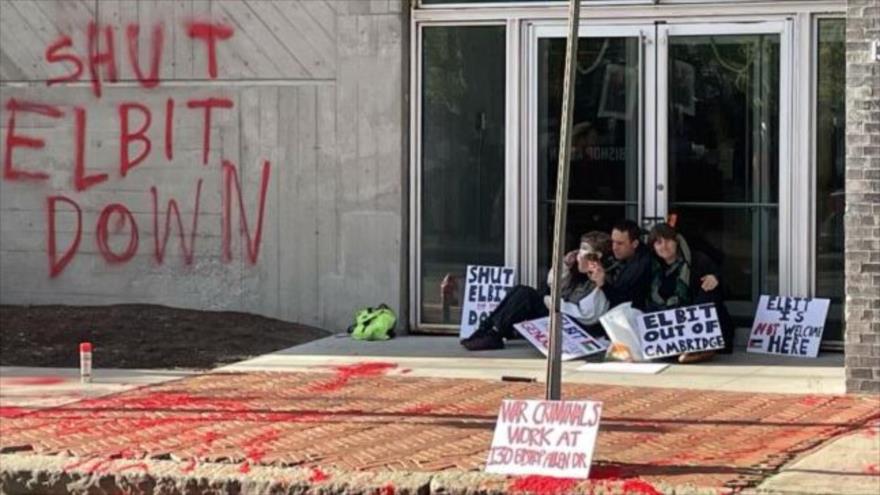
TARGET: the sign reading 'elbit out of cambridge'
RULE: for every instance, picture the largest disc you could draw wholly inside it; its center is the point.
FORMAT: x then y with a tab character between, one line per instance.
545	437
680	330
789	326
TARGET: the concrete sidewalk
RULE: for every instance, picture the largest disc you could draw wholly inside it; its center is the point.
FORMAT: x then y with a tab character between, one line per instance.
415	415
443	357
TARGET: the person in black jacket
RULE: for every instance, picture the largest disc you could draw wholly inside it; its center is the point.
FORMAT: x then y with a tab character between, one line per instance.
628	279
681	277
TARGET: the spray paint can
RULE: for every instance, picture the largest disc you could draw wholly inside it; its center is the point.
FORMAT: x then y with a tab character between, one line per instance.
85	362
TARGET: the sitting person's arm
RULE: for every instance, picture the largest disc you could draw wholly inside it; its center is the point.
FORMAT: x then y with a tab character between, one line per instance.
568	263
705	277
630	284
588	310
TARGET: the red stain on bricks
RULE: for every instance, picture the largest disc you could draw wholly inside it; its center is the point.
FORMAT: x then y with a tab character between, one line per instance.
418	409
873	469
387	490
606	473
812	400
346	373
318	476
12	412
639	487
542	485
245	467
33	380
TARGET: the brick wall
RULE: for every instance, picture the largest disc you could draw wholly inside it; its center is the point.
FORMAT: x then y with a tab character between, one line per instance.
863	198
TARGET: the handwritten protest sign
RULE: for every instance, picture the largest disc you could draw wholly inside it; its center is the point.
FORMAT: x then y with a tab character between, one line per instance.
576	342
485	287
549	438
680	330
790	326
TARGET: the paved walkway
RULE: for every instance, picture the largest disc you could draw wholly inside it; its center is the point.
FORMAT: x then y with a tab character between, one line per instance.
374	427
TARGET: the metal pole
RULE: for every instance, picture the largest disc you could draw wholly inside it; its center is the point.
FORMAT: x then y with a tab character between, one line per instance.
554	357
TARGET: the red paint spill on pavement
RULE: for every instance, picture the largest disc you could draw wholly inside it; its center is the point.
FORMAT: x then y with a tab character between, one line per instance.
12	412
245	467
812	400
387	490
318	476
542	485
639	487
872	469
34	380
345	373
606	473
418	409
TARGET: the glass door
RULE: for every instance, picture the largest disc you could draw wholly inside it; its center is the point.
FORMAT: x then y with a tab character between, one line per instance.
607	138
721	99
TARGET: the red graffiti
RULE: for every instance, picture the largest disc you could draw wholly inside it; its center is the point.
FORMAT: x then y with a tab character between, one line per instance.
53	56
542	485
56	266
81	181
169	133
125	218
253	245
210	33
126	136
97	59
208	104
156	50
346	373
14	140
188	252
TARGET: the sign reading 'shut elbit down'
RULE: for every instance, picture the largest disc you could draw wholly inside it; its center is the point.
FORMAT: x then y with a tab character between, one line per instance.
545	437
485	287
789	326
677	331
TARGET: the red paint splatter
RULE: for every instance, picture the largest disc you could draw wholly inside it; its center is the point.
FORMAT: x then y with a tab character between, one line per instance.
873	469
189	466
245	467
318	476
419	409
345	373
639	487
387	490
812	400
34	380
542	485
606	473
12	412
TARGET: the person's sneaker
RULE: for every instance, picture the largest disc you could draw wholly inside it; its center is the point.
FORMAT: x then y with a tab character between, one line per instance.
484	339
696	357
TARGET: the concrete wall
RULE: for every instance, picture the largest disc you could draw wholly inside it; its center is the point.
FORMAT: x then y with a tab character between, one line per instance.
316	91
862	221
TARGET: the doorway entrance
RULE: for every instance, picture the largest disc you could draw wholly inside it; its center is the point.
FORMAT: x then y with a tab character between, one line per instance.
669	118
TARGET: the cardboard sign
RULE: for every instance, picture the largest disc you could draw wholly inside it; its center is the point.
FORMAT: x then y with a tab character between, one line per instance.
677	331
542	437
789	326
485	287
576	342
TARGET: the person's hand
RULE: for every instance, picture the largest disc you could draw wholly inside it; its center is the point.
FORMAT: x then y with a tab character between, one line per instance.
709	283
596	273
570	258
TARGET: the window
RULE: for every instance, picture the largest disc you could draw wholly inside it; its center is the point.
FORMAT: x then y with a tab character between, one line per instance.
462	162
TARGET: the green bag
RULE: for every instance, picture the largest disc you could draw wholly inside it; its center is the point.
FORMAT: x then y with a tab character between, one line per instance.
373	323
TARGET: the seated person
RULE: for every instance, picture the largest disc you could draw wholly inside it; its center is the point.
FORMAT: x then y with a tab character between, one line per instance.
681	277
628	279
580	298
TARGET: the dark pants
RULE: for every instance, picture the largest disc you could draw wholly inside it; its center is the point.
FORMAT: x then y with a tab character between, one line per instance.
523	303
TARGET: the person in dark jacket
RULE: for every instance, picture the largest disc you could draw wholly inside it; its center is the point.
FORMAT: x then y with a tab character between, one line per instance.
581	299
628	279
681	277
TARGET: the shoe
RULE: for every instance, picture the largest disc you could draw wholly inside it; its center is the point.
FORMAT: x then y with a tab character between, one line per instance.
696	357
484	339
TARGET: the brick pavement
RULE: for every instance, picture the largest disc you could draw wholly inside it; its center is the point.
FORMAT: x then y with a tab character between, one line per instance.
372	417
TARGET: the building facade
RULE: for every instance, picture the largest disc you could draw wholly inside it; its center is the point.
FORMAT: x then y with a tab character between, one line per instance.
340	153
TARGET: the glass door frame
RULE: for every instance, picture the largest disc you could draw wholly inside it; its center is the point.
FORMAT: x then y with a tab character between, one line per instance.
646	33
786	91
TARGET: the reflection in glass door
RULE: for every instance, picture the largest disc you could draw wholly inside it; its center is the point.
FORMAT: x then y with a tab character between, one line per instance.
605	158
722	155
